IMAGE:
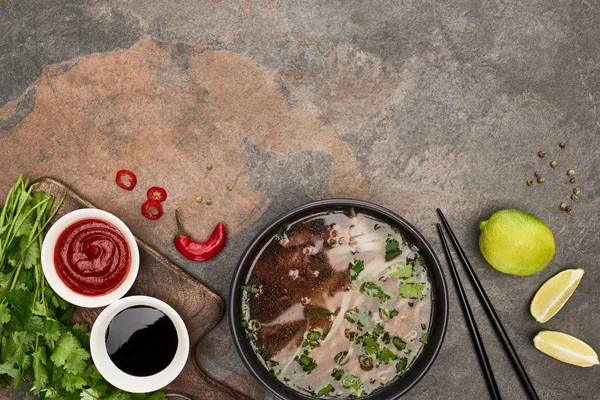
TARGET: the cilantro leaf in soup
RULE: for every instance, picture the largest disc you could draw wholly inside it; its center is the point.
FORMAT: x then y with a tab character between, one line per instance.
357	266
400	271
412	290
307	363
422	261
281	231
324	390
250	289
353	383
386	338
386	355
424	338
378	330
392	249
387	314
313	335
374	290
371	345
337	374
350	316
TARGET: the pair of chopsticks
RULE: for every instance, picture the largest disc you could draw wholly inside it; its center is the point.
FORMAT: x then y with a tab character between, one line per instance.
490	311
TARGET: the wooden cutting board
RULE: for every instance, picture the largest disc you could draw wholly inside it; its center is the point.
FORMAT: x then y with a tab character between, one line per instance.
200	308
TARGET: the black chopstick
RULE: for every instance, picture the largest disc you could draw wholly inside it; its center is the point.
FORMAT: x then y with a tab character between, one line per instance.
491	312
464	302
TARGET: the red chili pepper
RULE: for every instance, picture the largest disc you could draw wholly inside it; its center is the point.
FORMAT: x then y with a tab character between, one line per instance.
152	209
198	251
156	193
126	179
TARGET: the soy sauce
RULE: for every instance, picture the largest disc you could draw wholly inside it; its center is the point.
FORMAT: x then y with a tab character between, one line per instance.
141	341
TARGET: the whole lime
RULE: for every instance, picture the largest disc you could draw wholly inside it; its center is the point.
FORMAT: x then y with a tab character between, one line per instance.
516	242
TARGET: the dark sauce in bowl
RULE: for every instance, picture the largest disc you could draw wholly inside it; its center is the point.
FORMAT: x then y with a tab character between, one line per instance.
141	341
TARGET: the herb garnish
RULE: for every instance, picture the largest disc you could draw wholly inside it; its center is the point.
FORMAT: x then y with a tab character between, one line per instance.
337	374
374	290
324	390
378	330
307	363
357	266
399	343
340	358
313	335
371	345
424	337
386	355
353	383
392	249
350	316
38	343
412	290
250	289
387	314
401	366
400	271
281	231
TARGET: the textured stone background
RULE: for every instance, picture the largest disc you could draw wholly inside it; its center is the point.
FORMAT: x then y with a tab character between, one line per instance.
410	104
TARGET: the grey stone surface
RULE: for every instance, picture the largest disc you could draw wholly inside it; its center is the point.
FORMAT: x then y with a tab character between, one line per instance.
443	104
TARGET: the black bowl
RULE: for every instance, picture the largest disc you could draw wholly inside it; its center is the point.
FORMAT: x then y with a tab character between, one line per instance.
439	306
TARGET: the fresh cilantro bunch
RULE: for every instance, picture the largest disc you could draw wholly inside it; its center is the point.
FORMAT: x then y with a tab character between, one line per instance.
37	341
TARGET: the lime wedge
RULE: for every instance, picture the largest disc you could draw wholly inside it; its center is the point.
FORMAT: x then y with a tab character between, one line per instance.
565	348
554	293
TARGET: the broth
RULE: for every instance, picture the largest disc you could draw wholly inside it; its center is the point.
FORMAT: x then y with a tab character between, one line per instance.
337	304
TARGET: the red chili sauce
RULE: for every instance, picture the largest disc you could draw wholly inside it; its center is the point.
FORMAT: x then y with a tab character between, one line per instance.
92	257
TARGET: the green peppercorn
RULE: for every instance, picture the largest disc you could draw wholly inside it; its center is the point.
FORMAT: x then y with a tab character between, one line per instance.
537	174
209	166
574	197
541	180
542	154
529	182
199	199
576	191
554	164
569	209
562	145
229	187
208	202
563	206
571	172
573	180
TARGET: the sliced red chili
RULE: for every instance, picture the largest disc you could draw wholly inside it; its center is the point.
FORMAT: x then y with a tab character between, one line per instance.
151	209
156	193
199	251
126	179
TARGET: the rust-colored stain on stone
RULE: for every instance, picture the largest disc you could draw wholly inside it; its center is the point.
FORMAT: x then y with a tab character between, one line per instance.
246	7
165	114
304	40
271	5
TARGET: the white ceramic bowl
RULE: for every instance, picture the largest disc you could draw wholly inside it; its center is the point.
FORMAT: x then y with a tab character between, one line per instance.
122	380
50	270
